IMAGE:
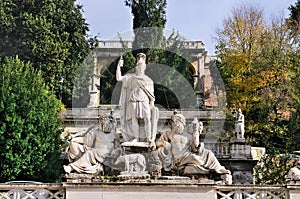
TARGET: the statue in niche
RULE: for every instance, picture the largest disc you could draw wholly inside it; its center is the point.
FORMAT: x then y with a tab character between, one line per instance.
138	114
239	124
89	150
183	151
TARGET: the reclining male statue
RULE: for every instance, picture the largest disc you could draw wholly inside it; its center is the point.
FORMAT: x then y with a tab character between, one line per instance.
186	152
89	150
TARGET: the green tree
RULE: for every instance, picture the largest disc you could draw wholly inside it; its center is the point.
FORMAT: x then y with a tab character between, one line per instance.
237	46
149	19
273	168
294	19
294	25
148	13
30	125
50	34
257	68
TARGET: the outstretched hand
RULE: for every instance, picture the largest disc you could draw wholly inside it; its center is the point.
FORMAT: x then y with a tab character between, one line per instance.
121	62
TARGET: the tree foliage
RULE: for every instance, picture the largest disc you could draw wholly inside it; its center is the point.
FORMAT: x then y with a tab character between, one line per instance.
149	18
237	46
294	19
29	125
148	13
50	34
257	65
273	168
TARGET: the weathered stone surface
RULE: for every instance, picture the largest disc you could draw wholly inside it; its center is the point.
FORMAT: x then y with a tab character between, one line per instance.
145	191
242	177
182	153
137	103
88	150
136	144
133	175
134	163
240	150
79	178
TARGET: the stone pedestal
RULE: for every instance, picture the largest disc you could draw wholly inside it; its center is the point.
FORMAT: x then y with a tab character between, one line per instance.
153	162
240	162
94	99
136	147
148	190
240	150
82	178
294	188
241	169
133	175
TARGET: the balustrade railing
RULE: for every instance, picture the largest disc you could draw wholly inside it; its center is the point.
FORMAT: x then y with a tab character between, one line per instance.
30	191
58	191
220	149
252	192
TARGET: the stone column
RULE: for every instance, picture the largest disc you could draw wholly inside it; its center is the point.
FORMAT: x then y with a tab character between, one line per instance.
201	61
200	80
94	91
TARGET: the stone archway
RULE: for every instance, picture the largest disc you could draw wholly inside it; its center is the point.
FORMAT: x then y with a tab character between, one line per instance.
109	50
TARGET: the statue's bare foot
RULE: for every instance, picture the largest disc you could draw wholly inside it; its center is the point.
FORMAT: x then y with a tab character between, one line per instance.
134	140
67	169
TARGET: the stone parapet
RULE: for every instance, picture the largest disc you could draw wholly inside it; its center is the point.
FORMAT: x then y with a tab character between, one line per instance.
89	116
149	189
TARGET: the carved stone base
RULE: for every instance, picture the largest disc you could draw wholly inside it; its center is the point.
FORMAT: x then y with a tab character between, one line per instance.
242	177
135	144
186	179
133	175
78	178
136	147
174	178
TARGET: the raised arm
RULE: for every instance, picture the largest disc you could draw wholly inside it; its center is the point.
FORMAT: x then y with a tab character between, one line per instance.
119	76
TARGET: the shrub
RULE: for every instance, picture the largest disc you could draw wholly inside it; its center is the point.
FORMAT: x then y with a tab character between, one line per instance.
29	125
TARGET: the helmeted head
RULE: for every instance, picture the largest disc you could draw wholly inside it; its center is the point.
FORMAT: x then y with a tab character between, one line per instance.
141	63
141	56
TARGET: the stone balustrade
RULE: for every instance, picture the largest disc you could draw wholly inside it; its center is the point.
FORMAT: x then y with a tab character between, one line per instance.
82	117
19	190
148	190
128	44
220	149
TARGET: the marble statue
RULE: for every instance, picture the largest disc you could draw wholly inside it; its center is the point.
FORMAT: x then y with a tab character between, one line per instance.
239	124
89	150
137	104
183	151
133	162
294	174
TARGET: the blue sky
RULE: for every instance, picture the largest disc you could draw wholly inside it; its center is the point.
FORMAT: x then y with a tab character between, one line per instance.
195	19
